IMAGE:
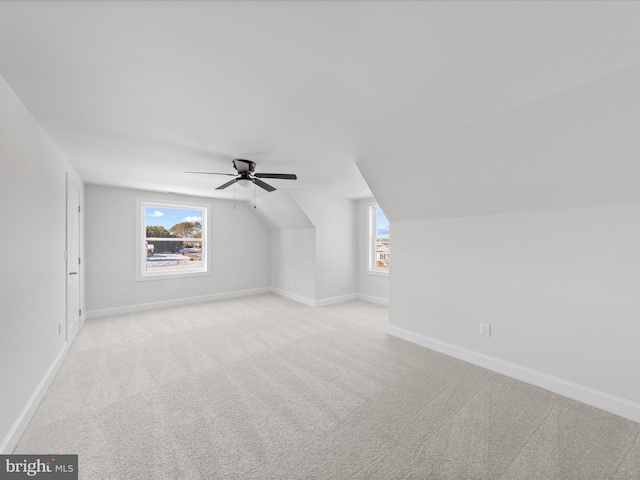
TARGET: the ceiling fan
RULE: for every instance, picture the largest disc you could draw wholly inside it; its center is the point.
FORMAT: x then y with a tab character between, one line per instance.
245	175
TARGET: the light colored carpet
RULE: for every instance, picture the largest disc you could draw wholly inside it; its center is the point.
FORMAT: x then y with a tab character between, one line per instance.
265	388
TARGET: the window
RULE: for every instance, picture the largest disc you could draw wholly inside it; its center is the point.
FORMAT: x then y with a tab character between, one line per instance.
172	240
379	241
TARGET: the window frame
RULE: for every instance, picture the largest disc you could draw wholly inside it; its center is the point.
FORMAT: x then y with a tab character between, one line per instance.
141	236
372	267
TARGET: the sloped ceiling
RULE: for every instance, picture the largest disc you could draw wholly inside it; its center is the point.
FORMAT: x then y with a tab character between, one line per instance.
578	148
280	211
133	93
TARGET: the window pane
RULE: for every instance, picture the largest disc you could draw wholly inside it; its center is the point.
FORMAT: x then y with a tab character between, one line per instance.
173	239
382	240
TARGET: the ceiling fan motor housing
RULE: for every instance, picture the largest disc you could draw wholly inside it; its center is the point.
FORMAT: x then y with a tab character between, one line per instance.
242	165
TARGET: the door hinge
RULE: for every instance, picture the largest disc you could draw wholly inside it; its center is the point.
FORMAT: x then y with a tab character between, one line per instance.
80	312
79	260
78	208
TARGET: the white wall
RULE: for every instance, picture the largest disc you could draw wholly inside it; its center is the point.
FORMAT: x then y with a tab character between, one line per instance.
293	264
527	221
559	288
371	287
293	246
33	193
239	243
335	225
313	245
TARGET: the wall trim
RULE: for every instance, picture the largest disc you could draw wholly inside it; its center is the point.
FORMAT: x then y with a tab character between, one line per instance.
293	296
333	300
107	312
22	422
372	299
602	400
330	301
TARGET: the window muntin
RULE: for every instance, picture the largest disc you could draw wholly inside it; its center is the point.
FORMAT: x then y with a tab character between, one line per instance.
173	240
379	241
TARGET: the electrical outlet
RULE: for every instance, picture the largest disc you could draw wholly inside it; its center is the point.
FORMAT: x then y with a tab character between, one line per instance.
485	329
233	279
121	291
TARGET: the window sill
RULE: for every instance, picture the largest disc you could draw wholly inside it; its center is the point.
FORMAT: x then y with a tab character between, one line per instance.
170	276
378	273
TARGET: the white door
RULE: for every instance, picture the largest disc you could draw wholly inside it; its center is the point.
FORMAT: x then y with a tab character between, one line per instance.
73	260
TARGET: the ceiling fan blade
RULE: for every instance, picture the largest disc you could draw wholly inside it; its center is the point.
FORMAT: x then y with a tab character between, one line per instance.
282	176
215	173
261	184
231	182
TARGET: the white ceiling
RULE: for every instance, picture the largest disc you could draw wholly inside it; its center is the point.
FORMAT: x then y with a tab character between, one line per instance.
134	93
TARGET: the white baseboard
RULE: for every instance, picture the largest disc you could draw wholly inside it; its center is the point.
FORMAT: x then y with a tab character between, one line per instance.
602	400
329	301
107	312
372	299
333	300
294	297
22	422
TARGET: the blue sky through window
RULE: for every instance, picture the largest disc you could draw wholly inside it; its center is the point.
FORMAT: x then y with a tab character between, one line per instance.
168	217
382	224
